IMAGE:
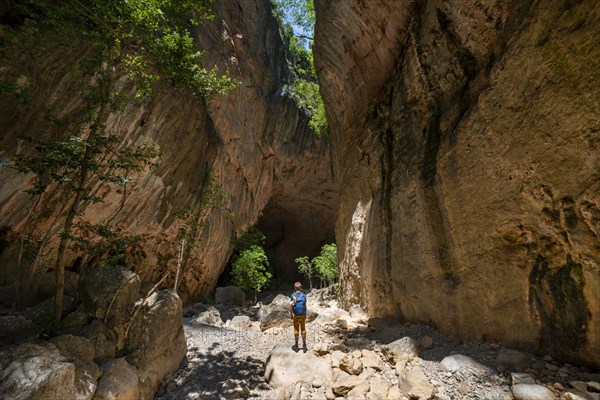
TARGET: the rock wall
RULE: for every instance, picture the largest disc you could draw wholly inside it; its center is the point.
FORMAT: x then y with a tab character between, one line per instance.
253	143
467	151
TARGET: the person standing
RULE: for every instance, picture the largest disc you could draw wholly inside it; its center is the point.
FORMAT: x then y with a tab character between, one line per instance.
298	314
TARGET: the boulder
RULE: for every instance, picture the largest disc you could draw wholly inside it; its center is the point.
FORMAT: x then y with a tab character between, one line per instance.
359	392
42	372
16	329
521	377
285	367
209	315
345	384
524	391
394	393
277	313
230	295
378	389
370	359
102	338
351	365
75	347
76	319
43	313
157	340
119	381
415	384
336	358
458	361
240	323
573	396
513	360
426	342
43	286
404	349
109	293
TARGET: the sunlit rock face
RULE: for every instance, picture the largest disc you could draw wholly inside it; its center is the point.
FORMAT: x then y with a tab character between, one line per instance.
468	155
254	143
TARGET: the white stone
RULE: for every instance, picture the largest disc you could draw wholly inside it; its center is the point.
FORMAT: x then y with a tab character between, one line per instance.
285	367
524	391
457	361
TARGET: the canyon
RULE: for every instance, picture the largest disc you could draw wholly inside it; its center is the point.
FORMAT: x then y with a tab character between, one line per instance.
460	177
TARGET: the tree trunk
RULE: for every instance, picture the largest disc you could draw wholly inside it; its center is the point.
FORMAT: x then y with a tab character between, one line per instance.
59	277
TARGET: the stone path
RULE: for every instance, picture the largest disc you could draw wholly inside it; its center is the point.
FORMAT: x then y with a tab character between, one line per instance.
349	358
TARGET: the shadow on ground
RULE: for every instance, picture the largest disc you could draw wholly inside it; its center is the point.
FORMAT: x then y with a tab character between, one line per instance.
207	373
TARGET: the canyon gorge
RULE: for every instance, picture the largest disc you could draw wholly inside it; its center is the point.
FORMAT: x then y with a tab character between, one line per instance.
460	176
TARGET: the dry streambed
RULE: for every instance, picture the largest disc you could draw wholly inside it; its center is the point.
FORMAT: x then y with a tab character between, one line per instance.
236	352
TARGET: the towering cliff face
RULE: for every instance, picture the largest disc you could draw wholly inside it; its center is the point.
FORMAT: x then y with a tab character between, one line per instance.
467	142
254	144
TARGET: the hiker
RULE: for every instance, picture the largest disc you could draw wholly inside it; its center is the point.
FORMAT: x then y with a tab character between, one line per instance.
298	314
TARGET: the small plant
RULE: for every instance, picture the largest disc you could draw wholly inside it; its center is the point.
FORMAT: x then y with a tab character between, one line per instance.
250	270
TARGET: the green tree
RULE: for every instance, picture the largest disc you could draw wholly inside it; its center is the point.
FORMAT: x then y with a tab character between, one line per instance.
324	265
148	41
250	270
297	21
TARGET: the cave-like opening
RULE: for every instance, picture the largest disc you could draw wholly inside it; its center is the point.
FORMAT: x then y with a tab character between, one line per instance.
294	231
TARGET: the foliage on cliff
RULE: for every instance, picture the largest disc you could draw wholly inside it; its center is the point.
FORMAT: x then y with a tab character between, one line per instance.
297	21
148	41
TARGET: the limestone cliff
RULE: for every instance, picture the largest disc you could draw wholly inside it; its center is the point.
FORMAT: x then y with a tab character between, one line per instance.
254	144
467	141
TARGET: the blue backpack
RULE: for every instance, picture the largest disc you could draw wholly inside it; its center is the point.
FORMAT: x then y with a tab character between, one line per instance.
300	307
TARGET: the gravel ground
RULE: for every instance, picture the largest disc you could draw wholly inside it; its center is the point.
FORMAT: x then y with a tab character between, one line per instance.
231	359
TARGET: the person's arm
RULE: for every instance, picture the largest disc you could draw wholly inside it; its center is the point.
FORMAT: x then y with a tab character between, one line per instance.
292	304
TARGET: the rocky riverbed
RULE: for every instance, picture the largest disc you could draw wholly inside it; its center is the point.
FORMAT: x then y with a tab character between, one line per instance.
246	352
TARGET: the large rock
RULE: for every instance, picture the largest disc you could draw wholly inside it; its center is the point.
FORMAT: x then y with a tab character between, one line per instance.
446	213
156	340
103	339
351	365
16	329
513	360
109	293
524	391
346	383
404	349
457	361
119	381
209	316
44	372
285	367
379	389
275	314
415	384
230	295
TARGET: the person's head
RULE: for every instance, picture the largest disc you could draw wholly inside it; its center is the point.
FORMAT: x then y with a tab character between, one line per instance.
297	286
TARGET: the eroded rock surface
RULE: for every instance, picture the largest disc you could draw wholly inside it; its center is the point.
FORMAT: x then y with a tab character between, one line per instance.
253	144
468	159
